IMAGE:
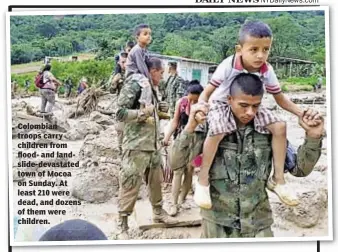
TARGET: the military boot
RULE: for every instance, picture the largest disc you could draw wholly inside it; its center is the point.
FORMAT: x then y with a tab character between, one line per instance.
123	227
161	216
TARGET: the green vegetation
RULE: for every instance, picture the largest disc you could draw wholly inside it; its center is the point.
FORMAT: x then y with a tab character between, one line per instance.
204	36
95	72
21	78
304	80
300	83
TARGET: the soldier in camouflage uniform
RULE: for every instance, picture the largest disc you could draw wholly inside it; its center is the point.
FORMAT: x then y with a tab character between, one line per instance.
141	147
182	88
115	85
242	165
172	86
116	80
163	90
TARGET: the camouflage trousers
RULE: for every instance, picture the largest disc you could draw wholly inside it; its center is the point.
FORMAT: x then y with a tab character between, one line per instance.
47	95
138	165
181	189
172	109
214	230
119	130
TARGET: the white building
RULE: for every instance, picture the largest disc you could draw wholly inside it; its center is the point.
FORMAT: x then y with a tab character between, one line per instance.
189	69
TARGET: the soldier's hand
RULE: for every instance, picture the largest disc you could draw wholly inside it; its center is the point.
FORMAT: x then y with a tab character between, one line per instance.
200	115
144	113
150	120
115	80
197	115
163	106
312	117
314	128
148	110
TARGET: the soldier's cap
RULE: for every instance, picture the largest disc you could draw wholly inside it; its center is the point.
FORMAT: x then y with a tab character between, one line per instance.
172	63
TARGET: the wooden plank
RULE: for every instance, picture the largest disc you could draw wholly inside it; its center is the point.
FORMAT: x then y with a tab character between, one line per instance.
163	225
185	218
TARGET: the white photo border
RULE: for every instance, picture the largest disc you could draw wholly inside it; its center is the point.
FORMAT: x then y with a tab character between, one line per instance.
192	9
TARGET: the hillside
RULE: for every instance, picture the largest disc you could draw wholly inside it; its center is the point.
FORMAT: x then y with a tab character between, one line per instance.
205	36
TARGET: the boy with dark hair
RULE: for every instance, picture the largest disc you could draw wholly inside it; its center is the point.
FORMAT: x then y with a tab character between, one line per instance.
138	55
137	62
255	39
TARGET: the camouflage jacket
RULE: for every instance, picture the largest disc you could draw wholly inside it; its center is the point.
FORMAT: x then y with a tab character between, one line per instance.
182	89
163	90
137	135
239	174
172	85
116	81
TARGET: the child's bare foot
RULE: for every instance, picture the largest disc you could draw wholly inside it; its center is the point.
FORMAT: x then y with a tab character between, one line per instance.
284	193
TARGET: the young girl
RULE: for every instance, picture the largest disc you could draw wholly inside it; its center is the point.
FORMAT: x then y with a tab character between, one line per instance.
180	189
182	110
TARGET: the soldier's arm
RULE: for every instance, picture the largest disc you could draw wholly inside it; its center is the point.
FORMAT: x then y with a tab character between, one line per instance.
310	151
307	156
126	100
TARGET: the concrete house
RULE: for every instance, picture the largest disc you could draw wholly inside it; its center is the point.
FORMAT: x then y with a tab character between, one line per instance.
189	69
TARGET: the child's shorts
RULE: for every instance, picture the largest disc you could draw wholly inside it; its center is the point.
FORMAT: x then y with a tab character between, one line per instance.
222	121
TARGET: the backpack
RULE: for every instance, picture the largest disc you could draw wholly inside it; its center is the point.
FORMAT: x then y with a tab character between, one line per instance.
183	104
291	158
183	120
39	80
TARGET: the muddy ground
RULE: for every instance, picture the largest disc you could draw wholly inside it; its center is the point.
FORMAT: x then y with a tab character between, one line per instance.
92	139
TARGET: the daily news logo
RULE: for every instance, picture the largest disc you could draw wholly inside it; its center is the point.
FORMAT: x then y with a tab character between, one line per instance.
259	1
228	1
